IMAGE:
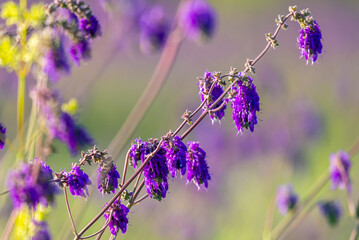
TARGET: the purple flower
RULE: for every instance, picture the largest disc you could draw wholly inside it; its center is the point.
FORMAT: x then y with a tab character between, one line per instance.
118	219
138	152
197	19
245	104
107	178
286	198
2	136
156	171
309	42
339	170
331	210
31	184
90	27
197	168
55	60
80	50
154	30
41	231
176	155
77	181
205	84
70	133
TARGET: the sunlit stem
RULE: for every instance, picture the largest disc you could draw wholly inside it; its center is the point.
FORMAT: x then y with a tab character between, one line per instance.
21	81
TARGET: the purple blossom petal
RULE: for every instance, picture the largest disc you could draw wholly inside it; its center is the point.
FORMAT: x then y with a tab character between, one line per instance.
286	198
197	168
118	219
309	42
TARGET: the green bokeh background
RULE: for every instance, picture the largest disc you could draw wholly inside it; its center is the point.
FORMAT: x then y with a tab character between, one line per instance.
242	188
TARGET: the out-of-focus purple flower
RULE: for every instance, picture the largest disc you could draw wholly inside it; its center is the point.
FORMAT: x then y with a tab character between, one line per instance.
118	219
309	42
197	168
176	155
41	231
286	198
107	178
156	171
154	29
55	60
70	133
245	104
90	27
339	170
31	185
2	136
331	210
77	181
205	84
80	50
197	19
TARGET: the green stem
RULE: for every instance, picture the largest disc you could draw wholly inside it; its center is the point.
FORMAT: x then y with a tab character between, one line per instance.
20	113
21	81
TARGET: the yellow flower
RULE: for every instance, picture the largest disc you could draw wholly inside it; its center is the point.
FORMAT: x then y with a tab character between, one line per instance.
10	12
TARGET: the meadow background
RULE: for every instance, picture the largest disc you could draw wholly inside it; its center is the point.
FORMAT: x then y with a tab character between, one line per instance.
307	112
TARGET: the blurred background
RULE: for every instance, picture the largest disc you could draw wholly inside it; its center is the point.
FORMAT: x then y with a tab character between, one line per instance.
307	113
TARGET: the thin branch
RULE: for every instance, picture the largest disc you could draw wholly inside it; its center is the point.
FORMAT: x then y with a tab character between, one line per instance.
354	234
9	226
125	167
102	229
69	212
141	199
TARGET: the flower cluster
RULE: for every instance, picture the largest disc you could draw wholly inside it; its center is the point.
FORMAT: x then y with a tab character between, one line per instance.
176	155
170	157
74	19
156	171
331	210
107	178
154	29
77	181
210	89
309	42
60	124
339	170
55	59
117	215
2	136
197	165
31	184
197	18
245	104
286	199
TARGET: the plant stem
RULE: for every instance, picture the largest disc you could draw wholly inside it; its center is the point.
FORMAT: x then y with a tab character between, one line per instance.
21	75
355	232
20	113
149	94
125	167
69	212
